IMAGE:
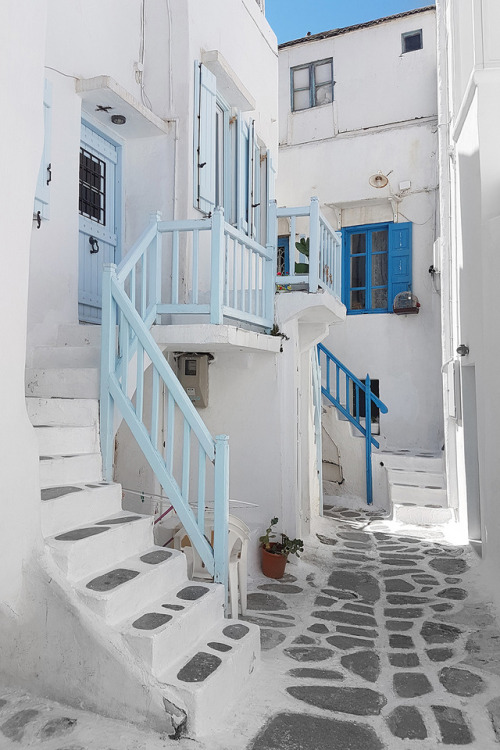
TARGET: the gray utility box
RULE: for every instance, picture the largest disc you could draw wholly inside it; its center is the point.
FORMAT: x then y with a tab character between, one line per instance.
193	375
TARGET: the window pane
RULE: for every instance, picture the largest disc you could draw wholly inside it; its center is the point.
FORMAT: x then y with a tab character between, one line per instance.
324	94
412	41
358	272
323	73
380	241
379	299
358	243
301	100
379	269
358	300
301	78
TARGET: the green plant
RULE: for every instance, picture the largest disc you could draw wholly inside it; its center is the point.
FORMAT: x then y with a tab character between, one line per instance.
303	247
286	547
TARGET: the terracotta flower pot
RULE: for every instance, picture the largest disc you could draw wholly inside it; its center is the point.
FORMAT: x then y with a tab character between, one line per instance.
273	565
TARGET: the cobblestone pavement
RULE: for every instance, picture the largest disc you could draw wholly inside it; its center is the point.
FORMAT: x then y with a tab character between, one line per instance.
380	637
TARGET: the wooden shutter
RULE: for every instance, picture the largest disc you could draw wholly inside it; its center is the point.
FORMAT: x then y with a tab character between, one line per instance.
205	95
42	193
400	262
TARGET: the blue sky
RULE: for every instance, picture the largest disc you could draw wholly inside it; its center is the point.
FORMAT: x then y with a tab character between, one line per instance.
292	19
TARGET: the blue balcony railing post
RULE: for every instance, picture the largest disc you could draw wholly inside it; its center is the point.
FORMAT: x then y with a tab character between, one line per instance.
314	235
221	509
155	265
271	265
108	362
368	440
217	275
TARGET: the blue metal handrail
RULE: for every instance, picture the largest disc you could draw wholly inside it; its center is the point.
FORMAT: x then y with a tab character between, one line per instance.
350	390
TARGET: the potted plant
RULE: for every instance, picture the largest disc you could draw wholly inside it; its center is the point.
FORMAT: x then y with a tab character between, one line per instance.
274	555
303	247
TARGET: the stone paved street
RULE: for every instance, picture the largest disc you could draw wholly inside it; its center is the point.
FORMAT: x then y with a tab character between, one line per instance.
381	637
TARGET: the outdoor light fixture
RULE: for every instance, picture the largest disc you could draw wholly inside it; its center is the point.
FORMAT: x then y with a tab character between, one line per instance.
463	350
378	180
118	119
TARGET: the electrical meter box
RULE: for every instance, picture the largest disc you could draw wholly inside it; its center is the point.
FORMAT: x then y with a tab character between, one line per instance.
406	303
192	372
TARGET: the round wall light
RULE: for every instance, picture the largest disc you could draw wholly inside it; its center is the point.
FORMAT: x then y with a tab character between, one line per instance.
118	119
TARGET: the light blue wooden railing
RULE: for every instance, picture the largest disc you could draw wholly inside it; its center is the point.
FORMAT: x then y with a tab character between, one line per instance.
325	249
188	462
345	391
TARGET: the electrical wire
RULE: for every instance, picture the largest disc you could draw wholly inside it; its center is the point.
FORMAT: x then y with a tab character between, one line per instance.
142	53
66	75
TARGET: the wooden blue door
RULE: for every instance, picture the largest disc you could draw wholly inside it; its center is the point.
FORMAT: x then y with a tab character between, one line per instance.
98	219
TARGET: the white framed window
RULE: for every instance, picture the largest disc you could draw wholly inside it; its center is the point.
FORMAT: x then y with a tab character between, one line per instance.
311	85
411	41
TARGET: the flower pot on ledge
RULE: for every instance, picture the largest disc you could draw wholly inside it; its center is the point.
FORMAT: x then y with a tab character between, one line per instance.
273	563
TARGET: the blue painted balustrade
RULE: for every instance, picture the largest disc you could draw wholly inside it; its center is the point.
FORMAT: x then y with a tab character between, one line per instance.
325	250
346	392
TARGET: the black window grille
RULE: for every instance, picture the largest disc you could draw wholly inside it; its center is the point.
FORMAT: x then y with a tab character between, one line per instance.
92	198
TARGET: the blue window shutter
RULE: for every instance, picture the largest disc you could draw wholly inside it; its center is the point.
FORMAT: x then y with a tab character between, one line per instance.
205	95
42	193
243	175
400	261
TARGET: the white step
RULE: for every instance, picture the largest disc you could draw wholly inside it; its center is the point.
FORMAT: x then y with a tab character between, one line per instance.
420	478
68	469
69	506
209	699
411	461
106	541
408	493
421	515
63	382
78	334
331	472
65	439
187	625
134	595
51	357
63	411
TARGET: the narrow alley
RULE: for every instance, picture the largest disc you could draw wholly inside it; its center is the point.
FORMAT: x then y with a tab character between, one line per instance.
380	637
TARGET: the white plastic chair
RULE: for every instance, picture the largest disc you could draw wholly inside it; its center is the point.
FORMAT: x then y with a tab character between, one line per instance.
239	534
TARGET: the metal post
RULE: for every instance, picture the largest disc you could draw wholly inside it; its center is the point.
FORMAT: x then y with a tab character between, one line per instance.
368	431
221	510
217	276
314	246
108	362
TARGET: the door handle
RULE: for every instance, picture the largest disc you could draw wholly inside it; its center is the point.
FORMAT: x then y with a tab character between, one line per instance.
94	245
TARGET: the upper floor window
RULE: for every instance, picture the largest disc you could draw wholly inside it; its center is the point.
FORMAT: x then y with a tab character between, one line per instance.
411	41
377	266
312	84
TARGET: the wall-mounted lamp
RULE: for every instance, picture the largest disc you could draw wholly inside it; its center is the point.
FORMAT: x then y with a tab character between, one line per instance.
118	119
462	350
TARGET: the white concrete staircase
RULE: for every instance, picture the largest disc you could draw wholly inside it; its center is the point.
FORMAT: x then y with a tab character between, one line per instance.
417	487
150	645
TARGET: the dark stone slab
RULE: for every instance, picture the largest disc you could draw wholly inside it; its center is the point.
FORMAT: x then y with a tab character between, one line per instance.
310	580
57	728
288	731
339	594
404	613
366	664
439	632
451	580
222	647
494	711
236	631
398	584
407	562
355	536
265	602
281	588
355	607
264	623
425	579
174	607
411	684
95	486
406	723
346	643
439	654
396	573
151	621
199	667
156	557
361	632
288	578
111	580
50	493
270	638
282	616
345	618
326	540
449	567
359	582
400	641
305	640
348	700
77	534
308	653
452	593
118	521
407	599
461	681
318	627
426	588
15	725
309	673
323	601
445	607
398	625
452	725
358	545
191	593
355	556
404	660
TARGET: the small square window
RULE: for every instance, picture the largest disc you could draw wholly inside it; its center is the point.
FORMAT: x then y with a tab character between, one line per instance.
312	85
412	41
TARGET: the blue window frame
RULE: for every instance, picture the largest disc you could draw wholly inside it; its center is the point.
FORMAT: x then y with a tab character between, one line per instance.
283	256
377	266
312	84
